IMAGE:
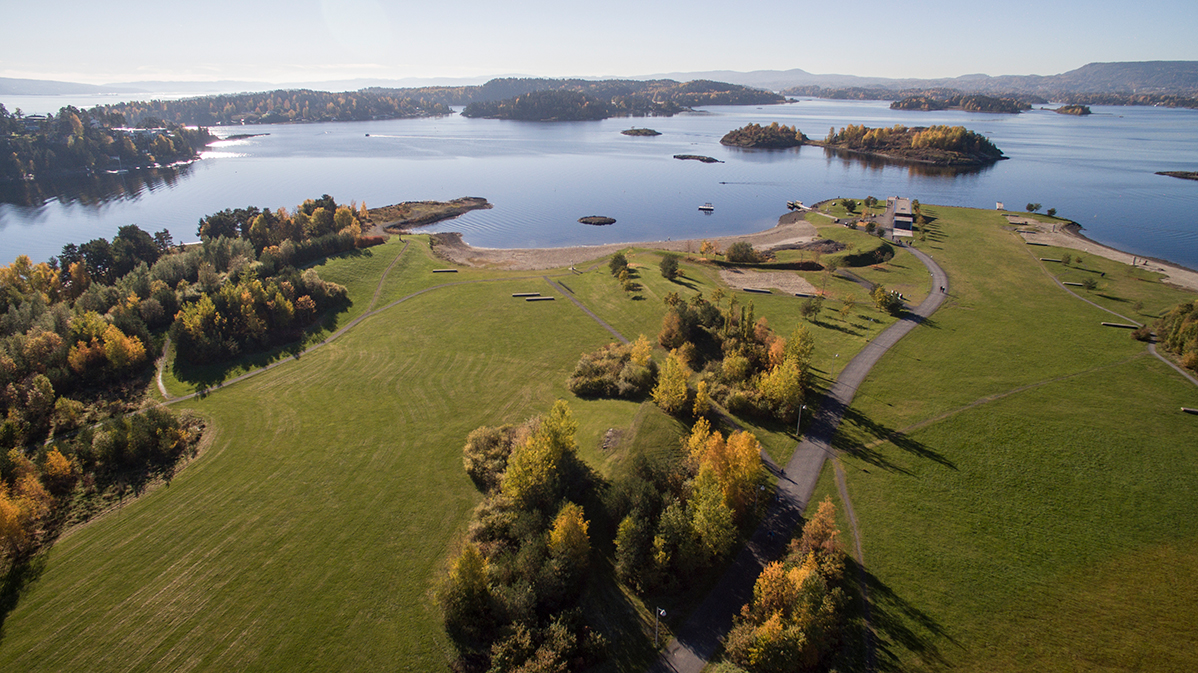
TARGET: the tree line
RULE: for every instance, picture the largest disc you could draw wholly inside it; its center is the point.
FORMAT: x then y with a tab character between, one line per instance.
78	331
953	145
82	142
966	102
1178	333
71	478
281	106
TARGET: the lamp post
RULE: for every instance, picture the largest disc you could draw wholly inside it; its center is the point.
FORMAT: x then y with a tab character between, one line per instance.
657	612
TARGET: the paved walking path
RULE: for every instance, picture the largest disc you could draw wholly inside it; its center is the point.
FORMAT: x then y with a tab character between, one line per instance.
699	637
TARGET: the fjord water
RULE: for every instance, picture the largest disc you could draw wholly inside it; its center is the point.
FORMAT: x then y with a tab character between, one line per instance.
541	177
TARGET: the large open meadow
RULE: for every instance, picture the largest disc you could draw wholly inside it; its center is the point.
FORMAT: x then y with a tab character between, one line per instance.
1021	476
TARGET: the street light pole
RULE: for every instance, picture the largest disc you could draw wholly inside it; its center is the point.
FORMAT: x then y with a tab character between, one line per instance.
657	612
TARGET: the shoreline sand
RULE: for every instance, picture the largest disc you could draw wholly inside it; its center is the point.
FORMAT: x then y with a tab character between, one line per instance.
1068	235
792	228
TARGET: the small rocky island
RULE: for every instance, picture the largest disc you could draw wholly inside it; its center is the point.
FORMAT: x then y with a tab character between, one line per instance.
640	132
1184	175
953	146
698	157
597	220
1078	110
774	136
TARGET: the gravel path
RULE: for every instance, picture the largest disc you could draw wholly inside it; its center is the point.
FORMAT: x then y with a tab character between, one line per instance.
699	637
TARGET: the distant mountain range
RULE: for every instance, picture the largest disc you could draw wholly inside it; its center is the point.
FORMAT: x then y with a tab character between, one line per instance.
1166	77
1163	77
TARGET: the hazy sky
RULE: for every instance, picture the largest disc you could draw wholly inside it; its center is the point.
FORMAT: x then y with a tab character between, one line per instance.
310	40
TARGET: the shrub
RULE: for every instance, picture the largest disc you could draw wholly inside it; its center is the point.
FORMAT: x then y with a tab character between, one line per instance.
618	263
669	267
741	252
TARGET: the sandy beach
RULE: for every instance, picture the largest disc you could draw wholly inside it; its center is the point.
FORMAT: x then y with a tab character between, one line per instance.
791	228
1063	236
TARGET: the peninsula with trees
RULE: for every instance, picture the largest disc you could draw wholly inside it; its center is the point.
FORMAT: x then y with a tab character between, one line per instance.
952	146
87	142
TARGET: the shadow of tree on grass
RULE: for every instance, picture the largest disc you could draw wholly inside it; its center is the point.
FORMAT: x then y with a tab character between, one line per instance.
880	431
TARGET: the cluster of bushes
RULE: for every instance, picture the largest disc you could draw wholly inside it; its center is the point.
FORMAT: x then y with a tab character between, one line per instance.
248	315
511	599
1178	333
887	300
82	141
743	364
681	513
798	609
67	478
615	370
624	273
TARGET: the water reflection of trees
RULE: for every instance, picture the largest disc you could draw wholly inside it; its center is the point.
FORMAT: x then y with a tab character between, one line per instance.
93	190
914	169
761	155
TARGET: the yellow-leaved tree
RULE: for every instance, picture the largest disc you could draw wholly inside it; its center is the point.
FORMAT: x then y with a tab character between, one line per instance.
671	392
568	538
533	478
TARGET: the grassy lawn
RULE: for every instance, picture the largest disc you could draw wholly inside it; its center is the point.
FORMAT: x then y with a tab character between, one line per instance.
309	534
1022	476
1120	287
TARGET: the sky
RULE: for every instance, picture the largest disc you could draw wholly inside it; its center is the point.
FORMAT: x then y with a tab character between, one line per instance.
315	40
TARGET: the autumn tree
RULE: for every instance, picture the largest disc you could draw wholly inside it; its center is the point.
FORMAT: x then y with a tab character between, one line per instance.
465	597
568	538
671	391
534	475
702	400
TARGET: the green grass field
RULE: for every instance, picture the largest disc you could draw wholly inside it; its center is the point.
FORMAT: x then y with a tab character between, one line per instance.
1033	511
1023	477
309	533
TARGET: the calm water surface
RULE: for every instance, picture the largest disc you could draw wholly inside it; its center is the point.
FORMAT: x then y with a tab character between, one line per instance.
1097	170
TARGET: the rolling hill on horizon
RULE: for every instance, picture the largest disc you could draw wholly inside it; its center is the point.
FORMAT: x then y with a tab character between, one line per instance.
1161	77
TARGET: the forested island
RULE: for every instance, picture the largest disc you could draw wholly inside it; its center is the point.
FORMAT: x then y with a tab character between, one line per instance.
283	106
965	102
85	142
640	132
774	136
581	100
1078	110
554	106
938	145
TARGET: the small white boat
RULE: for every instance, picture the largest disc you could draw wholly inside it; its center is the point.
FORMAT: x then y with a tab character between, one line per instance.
707	207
